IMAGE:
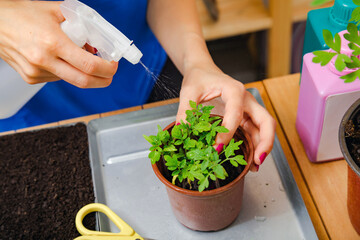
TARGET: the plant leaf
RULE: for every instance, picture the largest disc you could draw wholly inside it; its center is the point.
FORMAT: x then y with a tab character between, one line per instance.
207	109
355	48
214	124
204	183
163	136
198	174
189	143
355	16
340	62
209	138
154	156
204	165
150	139
231	148
196	154
333	43
234	163
351	76
219	171
212	177
353	34
221	129
170	148
202	126
355	63
323	57
192	104
176	132
356	2
240	159
182	164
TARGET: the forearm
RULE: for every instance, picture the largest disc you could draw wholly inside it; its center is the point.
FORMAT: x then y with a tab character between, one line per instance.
176	25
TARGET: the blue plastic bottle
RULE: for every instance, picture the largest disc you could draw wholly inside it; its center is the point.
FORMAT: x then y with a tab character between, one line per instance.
335	19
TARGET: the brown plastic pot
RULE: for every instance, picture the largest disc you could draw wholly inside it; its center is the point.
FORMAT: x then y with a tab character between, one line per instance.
353	194
210	210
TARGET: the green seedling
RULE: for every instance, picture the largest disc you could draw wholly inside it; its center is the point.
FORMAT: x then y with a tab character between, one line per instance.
188	150
342	60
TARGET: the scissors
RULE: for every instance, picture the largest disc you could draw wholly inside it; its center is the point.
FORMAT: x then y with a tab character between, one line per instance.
126	232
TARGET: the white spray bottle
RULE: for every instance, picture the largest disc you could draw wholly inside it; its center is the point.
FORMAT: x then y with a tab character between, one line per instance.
82	25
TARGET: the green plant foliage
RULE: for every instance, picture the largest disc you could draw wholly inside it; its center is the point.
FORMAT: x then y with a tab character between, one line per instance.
351	76
323	57
342	60
334	44
188	149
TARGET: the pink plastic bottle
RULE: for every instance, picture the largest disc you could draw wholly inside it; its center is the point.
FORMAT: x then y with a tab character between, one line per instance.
323	100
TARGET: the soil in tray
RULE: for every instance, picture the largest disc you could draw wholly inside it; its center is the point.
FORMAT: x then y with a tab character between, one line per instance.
45	178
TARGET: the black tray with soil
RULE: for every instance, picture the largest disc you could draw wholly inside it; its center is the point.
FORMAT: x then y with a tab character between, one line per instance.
45	178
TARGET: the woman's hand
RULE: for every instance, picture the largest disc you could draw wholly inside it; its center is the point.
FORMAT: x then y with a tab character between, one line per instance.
210	85
32	42
177	26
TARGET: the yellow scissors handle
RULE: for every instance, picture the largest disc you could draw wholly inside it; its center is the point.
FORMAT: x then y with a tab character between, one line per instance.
126	232
108	238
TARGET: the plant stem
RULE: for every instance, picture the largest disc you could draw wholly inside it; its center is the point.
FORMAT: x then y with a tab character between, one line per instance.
223	161
217	184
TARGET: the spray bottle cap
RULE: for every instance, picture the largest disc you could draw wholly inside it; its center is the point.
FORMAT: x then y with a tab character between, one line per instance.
85	25
340	13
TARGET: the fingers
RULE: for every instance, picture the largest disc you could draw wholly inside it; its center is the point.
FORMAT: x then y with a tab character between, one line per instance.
233	98
263	129
76	77
50	68
29	72
85	61
253	131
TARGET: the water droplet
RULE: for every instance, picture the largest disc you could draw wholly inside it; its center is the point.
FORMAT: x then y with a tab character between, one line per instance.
167	92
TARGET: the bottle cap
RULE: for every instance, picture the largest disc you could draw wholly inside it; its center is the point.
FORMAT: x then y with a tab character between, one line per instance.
340	13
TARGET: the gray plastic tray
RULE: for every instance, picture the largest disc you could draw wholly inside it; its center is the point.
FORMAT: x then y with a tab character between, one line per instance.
123	179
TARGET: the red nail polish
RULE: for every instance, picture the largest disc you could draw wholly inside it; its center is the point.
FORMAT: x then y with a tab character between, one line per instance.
220	148
177	124
257	167
262	157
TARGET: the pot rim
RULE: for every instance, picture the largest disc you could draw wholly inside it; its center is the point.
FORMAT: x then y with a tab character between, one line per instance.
216	191
344	149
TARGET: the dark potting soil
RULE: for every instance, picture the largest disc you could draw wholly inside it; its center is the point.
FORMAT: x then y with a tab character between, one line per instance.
45	178
352	137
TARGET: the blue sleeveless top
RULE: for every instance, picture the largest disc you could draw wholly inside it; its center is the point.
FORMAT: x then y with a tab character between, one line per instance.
131	84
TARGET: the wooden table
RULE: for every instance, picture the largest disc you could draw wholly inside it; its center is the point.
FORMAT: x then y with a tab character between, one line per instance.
326	182
322	186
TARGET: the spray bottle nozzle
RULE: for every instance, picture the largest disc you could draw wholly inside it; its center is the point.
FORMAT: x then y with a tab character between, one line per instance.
85	25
